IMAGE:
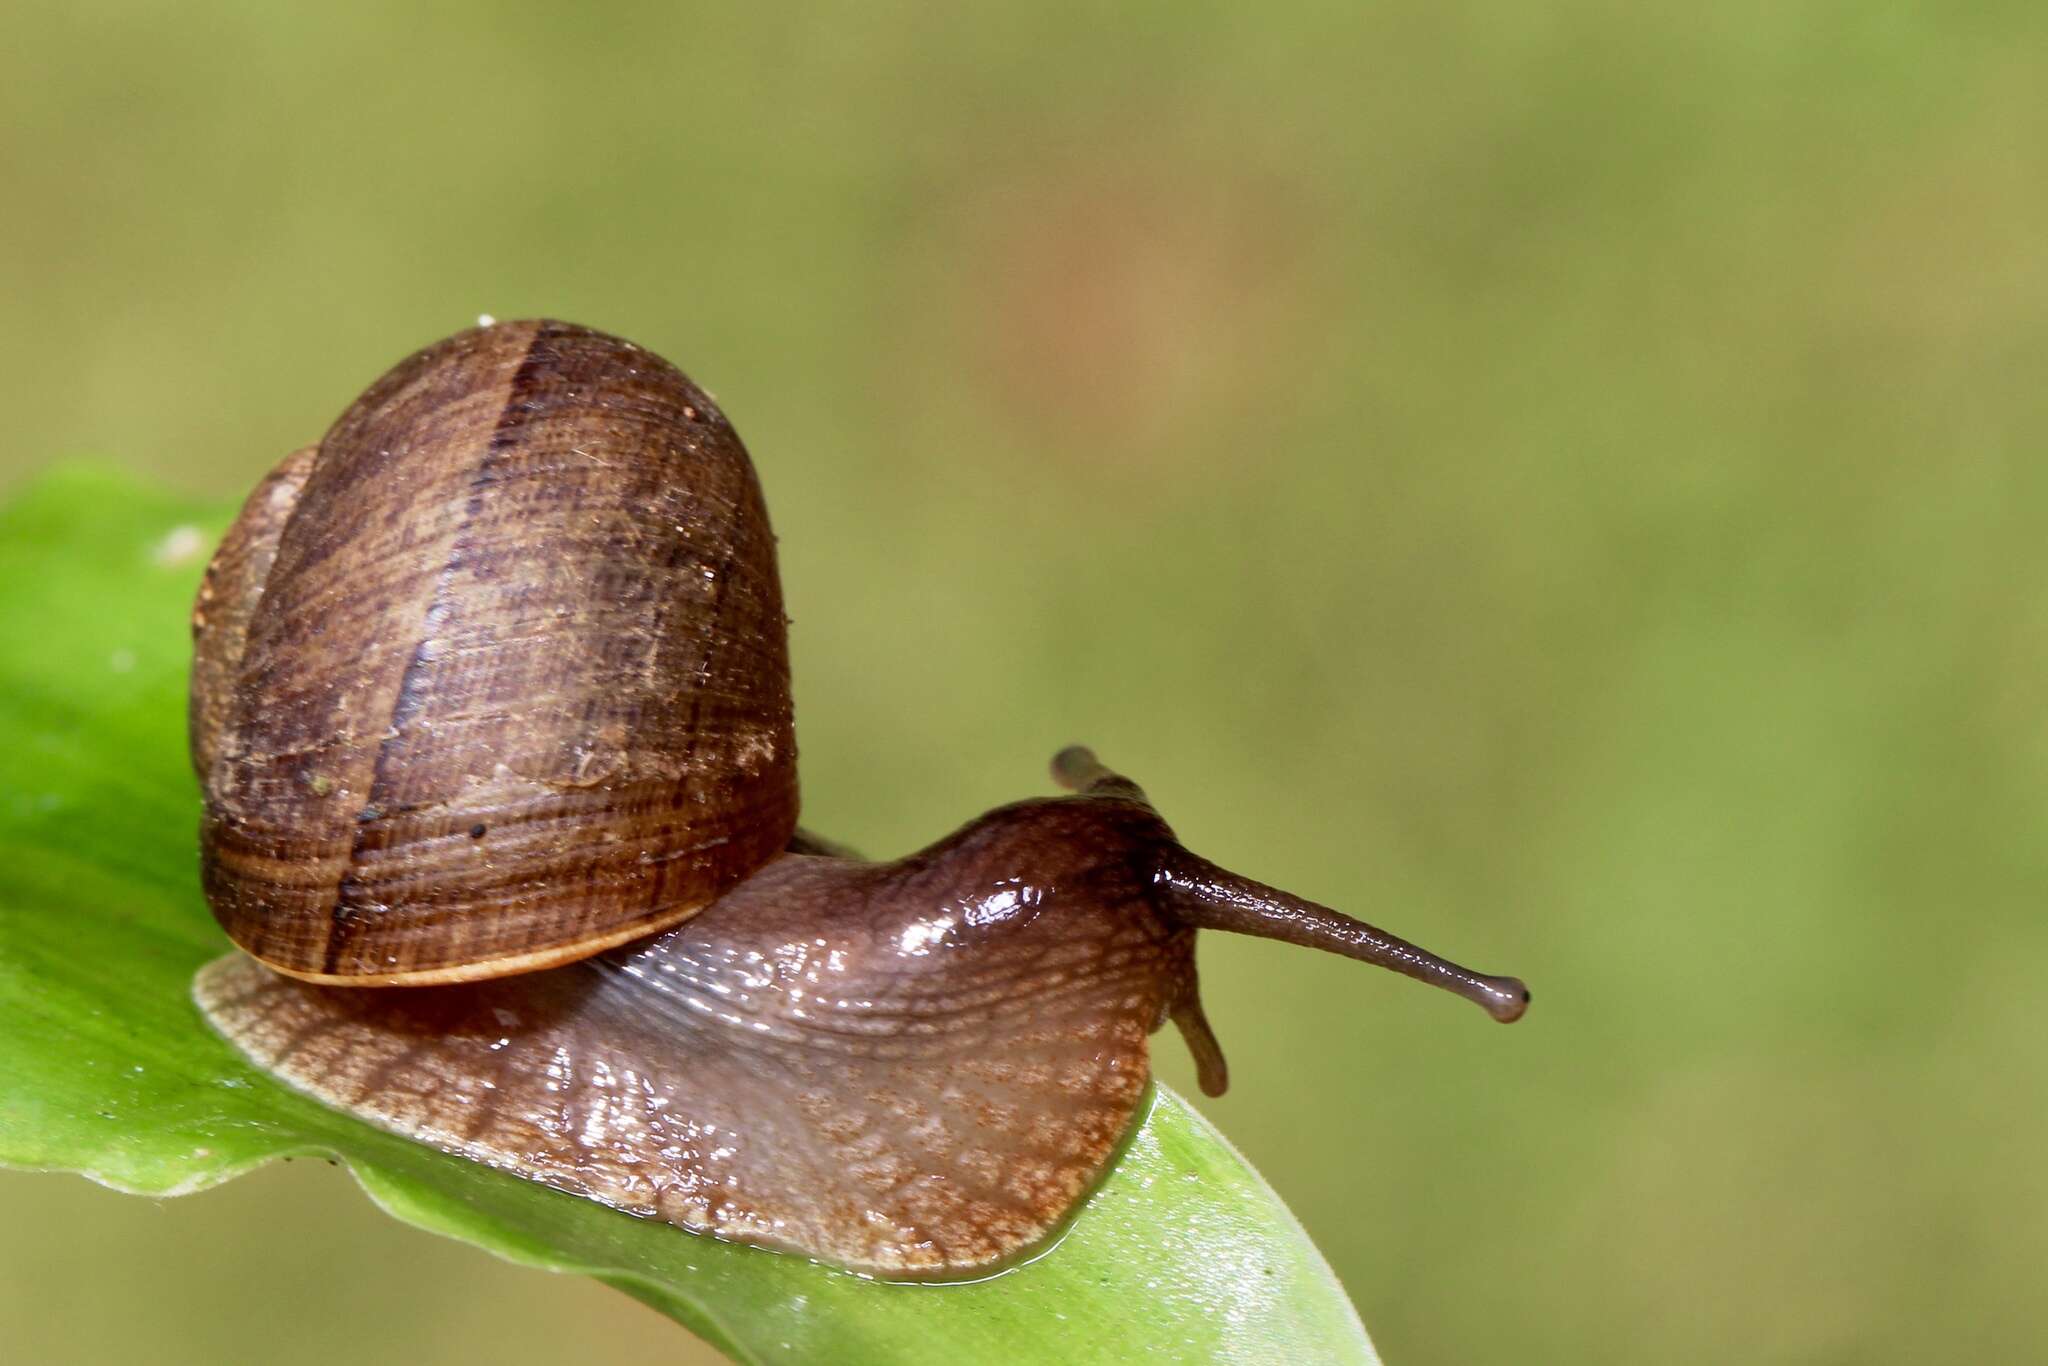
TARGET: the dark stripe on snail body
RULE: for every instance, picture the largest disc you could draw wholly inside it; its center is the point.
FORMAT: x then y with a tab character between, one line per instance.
914	1069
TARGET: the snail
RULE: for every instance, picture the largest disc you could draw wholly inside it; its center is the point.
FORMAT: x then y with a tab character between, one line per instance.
490	707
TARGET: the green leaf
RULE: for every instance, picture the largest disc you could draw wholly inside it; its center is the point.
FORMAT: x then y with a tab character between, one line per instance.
107	1070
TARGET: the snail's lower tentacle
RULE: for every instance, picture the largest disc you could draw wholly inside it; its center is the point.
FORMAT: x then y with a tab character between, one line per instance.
1210	1068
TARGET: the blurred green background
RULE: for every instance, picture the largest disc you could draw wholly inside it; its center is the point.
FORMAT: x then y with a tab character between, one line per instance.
1562	481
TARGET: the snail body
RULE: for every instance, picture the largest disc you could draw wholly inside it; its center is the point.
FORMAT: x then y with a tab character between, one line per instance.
604	957
802	1065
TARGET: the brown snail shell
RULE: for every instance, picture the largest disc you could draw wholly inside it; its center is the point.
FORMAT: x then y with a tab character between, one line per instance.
494	680
496	676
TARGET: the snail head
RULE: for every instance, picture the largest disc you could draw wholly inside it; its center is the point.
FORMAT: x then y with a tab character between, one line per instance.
1107	852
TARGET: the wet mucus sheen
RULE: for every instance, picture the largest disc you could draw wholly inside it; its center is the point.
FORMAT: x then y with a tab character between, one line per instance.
491	686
